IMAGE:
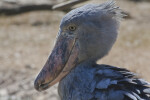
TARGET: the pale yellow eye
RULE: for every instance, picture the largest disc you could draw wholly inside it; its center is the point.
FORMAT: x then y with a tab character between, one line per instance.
72	28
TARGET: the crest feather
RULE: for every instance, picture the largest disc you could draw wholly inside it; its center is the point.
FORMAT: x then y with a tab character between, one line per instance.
111	8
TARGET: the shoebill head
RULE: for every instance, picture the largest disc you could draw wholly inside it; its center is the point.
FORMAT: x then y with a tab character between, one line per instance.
86	34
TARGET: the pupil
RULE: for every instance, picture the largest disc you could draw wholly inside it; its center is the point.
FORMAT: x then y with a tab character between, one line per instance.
72	28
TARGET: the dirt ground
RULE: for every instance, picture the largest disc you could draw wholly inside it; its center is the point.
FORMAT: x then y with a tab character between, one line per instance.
26	40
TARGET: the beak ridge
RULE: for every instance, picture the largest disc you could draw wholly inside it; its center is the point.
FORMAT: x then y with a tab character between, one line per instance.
61	59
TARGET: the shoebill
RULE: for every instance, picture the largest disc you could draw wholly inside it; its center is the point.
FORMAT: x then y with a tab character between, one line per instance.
87	34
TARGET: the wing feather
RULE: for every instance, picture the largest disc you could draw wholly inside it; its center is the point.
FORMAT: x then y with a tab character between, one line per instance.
113	83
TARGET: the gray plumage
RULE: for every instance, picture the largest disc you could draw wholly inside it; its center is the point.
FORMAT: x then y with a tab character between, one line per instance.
102	82
97	27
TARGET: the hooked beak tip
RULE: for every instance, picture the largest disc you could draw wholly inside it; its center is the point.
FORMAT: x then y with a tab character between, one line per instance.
40	84
37	85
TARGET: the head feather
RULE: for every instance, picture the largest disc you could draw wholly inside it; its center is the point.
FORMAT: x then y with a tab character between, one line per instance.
95	11
113	10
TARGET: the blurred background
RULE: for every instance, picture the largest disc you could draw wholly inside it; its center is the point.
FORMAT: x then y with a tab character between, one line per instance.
27	33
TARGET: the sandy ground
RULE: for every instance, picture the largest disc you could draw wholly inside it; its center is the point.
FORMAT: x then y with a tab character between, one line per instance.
26	40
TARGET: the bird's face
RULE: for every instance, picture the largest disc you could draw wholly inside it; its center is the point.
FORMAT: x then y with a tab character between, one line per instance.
63	58
85	34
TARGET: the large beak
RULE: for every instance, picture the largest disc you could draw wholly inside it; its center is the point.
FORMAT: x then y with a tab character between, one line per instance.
63	58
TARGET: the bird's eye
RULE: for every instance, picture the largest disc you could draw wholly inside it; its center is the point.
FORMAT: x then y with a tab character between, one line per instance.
72	28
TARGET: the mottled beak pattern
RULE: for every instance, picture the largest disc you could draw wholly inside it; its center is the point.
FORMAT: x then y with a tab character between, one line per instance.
63	58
